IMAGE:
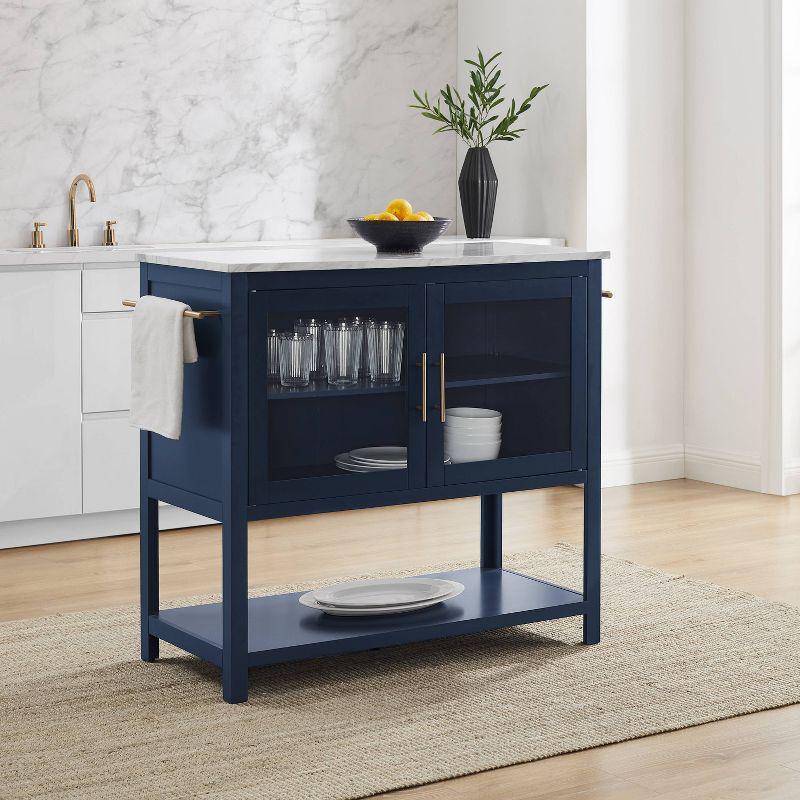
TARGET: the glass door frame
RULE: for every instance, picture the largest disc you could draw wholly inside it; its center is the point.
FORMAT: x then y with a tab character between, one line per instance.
263	303
438	297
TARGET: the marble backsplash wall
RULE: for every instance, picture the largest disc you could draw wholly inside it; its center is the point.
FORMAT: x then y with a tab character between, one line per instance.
201	121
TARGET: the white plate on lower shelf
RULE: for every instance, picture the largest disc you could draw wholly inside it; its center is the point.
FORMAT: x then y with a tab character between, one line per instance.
308	600
382	592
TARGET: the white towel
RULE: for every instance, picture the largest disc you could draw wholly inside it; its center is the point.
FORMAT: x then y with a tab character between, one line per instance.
162	341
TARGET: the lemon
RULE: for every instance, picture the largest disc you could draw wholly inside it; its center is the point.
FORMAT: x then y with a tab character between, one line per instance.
424	215
383	216
418	217
400	208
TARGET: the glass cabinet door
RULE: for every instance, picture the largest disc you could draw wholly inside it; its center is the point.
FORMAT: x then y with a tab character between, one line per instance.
509	372
329	392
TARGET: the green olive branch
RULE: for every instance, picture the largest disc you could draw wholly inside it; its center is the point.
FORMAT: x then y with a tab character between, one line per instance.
484	95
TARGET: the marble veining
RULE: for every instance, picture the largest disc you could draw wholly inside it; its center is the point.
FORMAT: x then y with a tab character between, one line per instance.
248	120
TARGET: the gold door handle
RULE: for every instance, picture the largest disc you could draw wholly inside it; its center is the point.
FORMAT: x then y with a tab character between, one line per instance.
424	407
442	409
608	295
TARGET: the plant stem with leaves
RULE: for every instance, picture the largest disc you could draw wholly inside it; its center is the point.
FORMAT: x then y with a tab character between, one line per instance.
471	122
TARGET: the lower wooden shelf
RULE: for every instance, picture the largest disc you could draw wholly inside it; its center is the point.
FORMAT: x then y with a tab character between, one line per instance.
280	629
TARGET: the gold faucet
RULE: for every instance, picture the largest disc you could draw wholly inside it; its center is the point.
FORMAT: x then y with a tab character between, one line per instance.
74	238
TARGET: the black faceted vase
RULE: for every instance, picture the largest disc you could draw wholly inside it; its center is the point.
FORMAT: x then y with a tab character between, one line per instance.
477	185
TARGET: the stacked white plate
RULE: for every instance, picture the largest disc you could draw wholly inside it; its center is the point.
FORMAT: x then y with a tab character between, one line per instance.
381	596
472	434
373	459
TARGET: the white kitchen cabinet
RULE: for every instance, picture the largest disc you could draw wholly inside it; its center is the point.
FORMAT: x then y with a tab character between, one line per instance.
104	288
69	461
110	464
106	363
40	365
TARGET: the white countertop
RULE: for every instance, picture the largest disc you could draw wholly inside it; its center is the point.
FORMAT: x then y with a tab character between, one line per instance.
357	254
98	254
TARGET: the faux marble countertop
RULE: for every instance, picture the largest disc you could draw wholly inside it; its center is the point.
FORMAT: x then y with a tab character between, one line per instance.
357	254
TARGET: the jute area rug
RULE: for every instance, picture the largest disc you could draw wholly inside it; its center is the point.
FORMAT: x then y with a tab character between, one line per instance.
82	717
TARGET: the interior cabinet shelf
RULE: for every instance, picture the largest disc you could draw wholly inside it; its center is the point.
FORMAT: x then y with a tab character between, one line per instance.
481	370
323	389
462	371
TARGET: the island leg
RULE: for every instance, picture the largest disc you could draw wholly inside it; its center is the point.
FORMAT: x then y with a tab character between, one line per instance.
492	531
234	605
148	572
591	557
234	503
591	487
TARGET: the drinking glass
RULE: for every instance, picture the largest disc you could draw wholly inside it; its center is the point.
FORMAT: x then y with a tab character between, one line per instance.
295	359
385	351
273	358
363	368
314	327
343	342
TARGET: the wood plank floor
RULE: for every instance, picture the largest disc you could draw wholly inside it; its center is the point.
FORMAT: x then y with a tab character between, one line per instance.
733	538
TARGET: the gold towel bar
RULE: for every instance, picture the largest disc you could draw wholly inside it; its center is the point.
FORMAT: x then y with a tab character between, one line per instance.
192	314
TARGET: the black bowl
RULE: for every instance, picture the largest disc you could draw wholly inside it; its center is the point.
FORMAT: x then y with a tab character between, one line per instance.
399	237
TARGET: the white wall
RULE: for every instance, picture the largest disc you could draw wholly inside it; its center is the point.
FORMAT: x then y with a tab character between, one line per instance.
602	163
635	208
542	176
727	223
790	257
200	121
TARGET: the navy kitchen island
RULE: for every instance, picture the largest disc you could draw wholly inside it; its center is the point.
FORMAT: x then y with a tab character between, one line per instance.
501	324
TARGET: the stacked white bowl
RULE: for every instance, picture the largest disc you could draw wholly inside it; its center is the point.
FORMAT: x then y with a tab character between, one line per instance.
472	434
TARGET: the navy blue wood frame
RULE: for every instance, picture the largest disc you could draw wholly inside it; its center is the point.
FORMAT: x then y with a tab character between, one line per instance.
209	470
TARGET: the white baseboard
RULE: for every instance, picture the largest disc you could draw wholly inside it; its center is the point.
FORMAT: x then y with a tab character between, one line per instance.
90	526
791	478
738	470
643	465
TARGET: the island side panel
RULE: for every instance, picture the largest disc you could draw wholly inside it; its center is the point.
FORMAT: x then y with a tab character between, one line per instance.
194	463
